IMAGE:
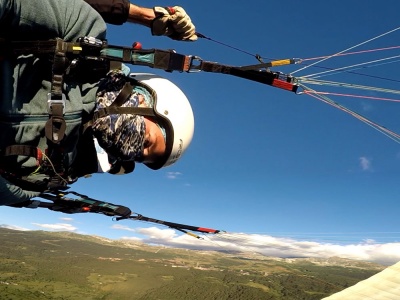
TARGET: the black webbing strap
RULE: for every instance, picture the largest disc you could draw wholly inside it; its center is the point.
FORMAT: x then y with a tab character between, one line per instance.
7	162
206	66
123	95
23	150
30	47
172	61
111	110
59	67
55	126
34	47
169	60
14	175
265	77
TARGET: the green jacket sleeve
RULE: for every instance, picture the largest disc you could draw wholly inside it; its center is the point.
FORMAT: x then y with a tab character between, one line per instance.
11	194
46	19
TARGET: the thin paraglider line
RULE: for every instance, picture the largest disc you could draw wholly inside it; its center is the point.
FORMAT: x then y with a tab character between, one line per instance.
351	71
352	96
343	51
390	134
301	80
316	75
301	60
352	53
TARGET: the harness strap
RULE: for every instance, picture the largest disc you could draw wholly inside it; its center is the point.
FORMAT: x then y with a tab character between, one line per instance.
83	204
111	110
55	181
265	77
55	126
36	47
154	58
171	61
123	95
24	150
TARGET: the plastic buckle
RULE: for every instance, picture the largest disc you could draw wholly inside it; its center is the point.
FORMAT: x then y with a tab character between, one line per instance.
194	64
51	102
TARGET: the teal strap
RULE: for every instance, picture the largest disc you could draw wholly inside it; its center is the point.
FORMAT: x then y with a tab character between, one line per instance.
128	56
159	59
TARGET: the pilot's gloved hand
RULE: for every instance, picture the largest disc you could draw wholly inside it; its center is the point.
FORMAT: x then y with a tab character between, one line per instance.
173	22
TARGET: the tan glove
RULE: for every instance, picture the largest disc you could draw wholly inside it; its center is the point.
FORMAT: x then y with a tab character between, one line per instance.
174	23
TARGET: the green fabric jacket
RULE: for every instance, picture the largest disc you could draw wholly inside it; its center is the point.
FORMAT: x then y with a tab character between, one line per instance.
24	83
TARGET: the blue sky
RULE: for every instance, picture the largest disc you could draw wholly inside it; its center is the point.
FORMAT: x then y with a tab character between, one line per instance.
285	170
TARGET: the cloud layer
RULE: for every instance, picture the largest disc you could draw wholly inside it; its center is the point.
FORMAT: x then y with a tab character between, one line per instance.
370	250
57	226
13	227
367	250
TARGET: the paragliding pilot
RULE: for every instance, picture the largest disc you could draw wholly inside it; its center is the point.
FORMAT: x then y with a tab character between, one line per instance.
65	113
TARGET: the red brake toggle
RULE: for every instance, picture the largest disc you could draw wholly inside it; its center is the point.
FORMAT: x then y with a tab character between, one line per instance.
171	10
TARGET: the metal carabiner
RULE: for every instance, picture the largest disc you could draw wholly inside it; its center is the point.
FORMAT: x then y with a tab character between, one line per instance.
194	64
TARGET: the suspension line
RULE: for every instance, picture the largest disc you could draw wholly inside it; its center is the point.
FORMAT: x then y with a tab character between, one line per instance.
343	51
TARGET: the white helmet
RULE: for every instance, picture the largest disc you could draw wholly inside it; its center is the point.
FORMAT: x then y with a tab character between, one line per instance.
173	112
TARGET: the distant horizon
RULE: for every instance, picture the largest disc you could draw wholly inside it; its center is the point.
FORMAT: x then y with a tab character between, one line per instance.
241	243
218	250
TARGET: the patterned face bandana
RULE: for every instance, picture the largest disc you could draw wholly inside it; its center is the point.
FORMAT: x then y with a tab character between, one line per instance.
120	135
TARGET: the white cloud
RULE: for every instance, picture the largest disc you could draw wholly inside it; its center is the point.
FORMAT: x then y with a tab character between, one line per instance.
13	227
66	219
57	226
368	250
131	239
154	233
122	227
365	163
173	175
